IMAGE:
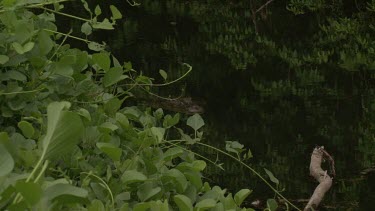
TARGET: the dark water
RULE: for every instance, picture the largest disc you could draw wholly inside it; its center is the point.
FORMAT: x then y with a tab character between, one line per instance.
280	129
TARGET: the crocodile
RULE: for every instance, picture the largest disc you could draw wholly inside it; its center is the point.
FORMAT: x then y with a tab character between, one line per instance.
182	105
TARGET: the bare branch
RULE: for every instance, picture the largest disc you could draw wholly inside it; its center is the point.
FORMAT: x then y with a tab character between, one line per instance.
264	5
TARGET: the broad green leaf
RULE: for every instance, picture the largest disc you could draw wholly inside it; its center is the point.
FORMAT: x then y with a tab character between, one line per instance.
146	191
114	75
122	119
271	176
31	192
112	151
158	114
196	165
195	121
64	130
15	75
112	106
161	206
132	176
178	178
229	202
18	48
86	28
84	113
195	178
45	43
128	66
26	128
170	121
98	10
4	59
124	196
8	3
61	68
206	204
183	203
116	14
107	127
96	205
28	46
102	59
163	74
105	24
133	113
241	195
199	165
172	153
220	207
23	49
60	189
158	132
143	206
6	161
94	46
272	204
233	146
115	61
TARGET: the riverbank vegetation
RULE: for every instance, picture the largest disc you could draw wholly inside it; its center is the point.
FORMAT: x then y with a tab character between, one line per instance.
69	141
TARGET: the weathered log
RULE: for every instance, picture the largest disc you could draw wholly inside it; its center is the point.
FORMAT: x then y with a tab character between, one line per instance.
325	181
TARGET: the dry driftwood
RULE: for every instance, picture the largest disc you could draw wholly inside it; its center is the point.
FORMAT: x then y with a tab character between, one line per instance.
324	179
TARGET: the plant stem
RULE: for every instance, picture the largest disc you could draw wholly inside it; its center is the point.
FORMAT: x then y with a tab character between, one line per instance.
22	92
65	14
74	37
255	172
104	183
42	171
171	82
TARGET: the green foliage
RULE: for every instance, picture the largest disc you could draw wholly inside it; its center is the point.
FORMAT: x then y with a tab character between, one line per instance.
78	147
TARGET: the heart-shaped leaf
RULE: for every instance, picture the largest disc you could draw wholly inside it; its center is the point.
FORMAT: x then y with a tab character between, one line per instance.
195	121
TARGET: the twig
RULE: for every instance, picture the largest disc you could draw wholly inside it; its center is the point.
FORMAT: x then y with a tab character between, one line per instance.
264	5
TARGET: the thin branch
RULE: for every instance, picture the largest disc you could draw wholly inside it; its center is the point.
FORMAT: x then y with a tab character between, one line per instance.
170	82
65	14
264	5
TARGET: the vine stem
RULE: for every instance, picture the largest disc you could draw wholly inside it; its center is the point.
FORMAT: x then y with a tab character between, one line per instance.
64	14
264	5
255	172
171	82
38	5
42	171
201	156
74	37
104	183
19	197
22	92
